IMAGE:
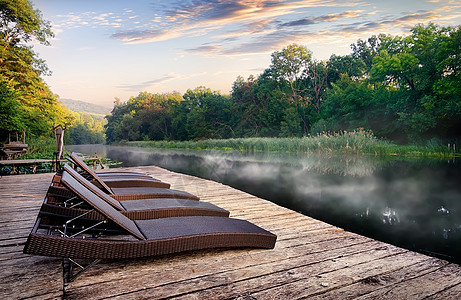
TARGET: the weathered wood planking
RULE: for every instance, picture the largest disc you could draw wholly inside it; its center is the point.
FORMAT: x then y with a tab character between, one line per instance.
24	276
311	258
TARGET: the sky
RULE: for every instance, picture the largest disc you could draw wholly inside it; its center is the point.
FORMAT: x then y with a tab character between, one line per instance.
105	49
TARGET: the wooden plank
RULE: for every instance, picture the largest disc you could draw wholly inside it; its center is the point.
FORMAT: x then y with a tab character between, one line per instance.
453	292
370	284
306	282
31	277
24	276
423	286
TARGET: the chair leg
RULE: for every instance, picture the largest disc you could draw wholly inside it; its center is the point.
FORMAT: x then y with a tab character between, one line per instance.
68	268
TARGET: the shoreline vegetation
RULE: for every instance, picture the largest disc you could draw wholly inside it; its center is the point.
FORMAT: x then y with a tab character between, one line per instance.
344	142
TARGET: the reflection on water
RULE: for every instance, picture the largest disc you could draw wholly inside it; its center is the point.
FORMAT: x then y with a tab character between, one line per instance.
413	204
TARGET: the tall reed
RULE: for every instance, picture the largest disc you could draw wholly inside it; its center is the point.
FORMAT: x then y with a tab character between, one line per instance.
343	142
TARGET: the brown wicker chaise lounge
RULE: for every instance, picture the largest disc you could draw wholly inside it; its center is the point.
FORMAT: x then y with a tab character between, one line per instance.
117	179
135	193
64	201
140	238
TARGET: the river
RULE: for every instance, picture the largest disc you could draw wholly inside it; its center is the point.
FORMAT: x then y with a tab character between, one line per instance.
412	203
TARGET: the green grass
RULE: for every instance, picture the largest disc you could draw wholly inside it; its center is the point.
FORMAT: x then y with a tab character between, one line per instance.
344	142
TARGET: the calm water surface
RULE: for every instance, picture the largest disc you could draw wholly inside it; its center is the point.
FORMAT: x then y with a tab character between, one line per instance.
414	204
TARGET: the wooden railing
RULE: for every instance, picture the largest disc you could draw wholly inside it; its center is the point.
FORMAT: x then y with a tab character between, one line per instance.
37	162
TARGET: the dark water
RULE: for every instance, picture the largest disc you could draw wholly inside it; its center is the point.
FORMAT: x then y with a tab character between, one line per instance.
415	204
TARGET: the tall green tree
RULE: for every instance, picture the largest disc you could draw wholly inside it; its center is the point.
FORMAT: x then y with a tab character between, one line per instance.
21	68
271	105
365	51
156	114
348	64
247	106
420	66
10	113
306	79
209	114
147	116
354	103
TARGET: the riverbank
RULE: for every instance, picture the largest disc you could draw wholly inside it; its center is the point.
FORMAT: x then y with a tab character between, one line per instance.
311	258
354	142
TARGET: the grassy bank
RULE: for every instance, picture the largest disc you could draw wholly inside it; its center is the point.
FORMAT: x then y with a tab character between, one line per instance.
354	142
40	148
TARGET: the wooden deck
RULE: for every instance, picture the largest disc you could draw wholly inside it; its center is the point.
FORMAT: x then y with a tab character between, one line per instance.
311	258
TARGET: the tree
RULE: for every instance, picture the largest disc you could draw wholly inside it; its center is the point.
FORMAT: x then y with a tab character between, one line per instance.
20	23
10	113
209	114
21	68
290	126
423	68
85	129
246	106
316	76
147	116
290	65
366	50
269	111
353	104
306	79
347	64
155	114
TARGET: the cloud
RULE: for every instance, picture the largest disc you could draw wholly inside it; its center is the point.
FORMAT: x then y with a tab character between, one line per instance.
231	11
93	19
298	31
205	49
326	18
255	27
155	82
196	18
144	85
266	43
143	36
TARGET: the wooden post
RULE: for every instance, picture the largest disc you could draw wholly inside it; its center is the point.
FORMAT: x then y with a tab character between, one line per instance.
59	135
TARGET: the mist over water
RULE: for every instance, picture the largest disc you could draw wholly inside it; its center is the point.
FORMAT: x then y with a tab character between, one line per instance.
415	204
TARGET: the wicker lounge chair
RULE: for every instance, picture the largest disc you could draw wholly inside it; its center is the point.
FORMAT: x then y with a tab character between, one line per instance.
64	201
78	161
140	238
116	179
136	193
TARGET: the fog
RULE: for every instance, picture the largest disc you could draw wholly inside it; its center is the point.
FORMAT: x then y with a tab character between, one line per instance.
411	203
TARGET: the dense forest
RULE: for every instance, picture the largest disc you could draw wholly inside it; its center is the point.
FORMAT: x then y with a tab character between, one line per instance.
403	88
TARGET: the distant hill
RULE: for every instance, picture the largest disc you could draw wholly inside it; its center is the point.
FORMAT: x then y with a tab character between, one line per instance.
82	106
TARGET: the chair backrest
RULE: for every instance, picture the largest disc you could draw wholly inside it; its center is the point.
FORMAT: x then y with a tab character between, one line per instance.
79	162
89	186
100	205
